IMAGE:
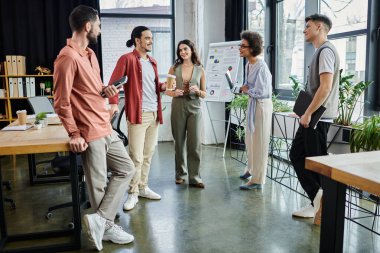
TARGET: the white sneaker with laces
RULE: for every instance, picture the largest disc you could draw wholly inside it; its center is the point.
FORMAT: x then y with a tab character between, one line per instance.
148	193
95	229
131	202
305	212
116	234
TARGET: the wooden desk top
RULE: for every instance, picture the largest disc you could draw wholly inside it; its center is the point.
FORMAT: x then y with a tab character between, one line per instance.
52	138
361	170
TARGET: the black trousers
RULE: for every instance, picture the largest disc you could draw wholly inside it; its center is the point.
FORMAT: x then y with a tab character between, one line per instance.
309	142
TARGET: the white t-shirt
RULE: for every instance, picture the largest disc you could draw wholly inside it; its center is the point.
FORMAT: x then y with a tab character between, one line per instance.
149	96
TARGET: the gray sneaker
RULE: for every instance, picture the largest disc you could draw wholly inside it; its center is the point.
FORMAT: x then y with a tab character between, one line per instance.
116	234
95	229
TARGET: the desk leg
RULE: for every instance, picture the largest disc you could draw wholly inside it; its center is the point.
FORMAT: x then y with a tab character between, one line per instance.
75	197
3	224
32	168
333	207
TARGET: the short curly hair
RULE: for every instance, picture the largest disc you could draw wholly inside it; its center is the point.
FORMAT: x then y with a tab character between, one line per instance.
255	41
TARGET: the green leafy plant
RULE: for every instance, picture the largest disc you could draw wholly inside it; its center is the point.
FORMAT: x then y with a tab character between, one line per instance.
296	87
349	94
366	136
239	105
40	116
279	105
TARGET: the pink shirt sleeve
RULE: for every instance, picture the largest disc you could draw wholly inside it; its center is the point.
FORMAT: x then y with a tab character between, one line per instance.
64	71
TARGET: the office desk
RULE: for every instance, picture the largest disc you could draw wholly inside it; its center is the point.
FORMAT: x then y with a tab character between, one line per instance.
361	170
50	139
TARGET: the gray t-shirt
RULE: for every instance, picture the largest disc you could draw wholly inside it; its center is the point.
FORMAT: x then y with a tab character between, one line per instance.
149	96
326	61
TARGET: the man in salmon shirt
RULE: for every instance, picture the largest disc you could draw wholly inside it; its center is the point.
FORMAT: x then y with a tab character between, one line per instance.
84	114
143	109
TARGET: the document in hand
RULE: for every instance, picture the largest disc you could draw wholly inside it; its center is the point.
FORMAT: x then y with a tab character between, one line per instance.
302	103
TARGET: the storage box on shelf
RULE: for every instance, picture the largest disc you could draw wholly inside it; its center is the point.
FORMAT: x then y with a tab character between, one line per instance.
15	89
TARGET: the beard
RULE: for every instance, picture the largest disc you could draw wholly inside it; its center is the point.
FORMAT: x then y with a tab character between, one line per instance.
92	38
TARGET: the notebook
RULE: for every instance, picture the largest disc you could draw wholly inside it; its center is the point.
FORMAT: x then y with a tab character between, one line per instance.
302	103
16	128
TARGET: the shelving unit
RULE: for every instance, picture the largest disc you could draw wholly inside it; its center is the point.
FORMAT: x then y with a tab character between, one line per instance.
9	105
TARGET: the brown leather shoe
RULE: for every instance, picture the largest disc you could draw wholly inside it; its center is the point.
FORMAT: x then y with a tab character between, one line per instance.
180	181
318	215
197	185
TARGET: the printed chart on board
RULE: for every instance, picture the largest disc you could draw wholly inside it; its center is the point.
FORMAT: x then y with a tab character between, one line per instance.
222	56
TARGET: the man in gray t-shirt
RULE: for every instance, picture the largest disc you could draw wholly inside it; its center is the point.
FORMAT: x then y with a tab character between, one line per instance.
322	86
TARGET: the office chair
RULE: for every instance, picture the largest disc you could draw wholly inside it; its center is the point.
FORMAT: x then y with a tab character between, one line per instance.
63	164
119	121
7	185
37	105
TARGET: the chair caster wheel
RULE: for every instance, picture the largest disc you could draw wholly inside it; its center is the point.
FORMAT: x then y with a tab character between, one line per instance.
117	217
71	225
48	215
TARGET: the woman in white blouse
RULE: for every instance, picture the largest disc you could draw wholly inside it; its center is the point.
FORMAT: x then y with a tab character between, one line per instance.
258	85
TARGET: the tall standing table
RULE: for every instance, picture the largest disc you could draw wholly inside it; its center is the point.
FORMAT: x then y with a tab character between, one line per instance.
46	140
360	170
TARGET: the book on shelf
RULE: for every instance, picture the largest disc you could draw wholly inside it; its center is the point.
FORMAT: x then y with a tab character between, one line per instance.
302	103
8	59
14	64
20	87
21	68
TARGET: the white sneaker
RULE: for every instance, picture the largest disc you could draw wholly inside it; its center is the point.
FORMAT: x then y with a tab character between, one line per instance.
116	234
131	202
148	193
305	212
95	229
317	202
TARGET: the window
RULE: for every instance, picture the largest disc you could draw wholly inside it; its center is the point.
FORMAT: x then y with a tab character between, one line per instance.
119	17
348	34
346	15
136	6
352	54
290	42
256	16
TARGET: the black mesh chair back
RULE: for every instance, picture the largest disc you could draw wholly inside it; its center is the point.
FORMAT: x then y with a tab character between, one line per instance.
119	122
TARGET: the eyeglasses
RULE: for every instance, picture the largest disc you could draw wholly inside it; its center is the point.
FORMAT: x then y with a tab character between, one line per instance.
243	46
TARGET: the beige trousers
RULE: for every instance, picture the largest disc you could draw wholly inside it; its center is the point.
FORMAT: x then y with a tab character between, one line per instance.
142	143
257	142
107	153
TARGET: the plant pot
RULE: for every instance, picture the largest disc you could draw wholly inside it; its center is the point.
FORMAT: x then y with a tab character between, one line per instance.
37	126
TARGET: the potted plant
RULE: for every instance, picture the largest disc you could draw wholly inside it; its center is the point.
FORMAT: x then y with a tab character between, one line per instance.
349	94
366	136
296	87
238	106
39	122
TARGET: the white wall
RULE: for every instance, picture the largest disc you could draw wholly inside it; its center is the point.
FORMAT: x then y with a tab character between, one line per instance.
188	25
200	21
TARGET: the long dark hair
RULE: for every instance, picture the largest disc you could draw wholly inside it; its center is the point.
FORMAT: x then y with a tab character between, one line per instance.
136	33
194	55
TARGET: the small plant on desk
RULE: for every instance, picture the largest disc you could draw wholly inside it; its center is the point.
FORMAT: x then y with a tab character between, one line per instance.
40	117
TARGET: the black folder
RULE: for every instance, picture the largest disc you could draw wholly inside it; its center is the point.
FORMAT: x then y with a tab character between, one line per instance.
302	103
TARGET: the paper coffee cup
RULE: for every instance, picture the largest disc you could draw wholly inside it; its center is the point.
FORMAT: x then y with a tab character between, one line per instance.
21	116
170	82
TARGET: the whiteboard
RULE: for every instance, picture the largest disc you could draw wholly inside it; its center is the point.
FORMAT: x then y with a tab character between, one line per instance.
221	57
